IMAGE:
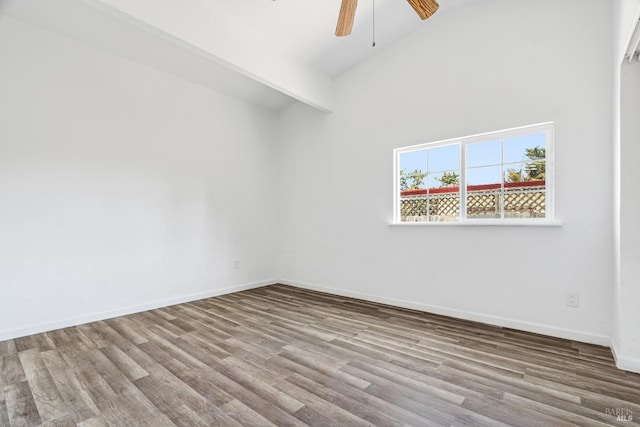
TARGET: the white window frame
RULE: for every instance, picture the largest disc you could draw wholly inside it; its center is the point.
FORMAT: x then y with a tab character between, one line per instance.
547	128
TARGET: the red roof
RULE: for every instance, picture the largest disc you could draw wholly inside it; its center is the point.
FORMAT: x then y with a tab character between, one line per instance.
483	187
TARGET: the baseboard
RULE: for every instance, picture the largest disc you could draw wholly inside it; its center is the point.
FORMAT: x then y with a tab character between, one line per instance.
94	317
462	314
623	362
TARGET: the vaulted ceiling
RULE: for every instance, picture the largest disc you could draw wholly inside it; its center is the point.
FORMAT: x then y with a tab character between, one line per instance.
269	52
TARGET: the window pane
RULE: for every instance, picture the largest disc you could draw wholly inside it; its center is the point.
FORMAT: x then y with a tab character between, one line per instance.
444	158
484	154
522	148
413	170
524	186
524	199
412	180
413	207
484	192
486	175
444	179
444	196
515	172
535	170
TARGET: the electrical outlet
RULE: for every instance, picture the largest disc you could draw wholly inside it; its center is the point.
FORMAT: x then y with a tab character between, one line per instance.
572	299
236	264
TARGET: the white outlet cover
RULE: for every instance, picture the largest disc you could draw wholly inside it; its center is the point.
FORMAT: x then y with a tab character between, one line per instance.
572	299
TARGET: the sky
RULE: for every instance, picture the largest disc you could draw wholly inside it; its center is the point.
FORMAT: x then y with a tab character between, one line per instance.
484	165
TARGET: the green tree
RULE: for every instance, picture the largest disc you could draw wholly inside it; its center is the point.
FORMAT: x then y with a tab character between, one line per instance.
411	180
534	167
449	179
513	175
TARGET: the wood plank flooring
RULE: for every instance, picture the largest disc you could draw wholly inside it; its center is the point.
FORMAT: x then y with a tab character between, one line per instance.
282	356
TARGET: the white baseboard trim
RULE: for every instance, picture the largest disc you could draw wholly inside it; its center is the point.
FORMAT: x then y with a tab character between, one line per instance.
109	314
462	314
623	362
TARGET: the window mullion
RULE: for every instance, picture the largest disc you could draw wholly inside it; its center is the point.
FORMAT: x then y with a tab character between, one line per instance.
426	184
463	182
502	197
396	196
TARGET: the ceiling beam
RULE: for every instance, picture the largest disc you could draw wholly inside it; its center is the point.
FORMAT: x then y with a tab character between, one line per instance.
196	26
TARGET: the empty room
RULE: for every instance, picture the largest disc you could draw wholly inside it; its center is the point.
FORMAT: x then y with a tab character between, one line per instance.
322	213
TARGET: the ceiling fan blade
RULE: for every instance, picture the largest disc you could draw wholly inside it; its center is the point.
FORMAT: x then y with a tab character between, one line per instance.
346	17
424	8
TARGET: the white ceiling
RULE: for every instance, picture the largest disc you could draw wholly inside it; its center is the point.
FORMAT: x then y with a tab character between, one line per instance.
269	52
305	28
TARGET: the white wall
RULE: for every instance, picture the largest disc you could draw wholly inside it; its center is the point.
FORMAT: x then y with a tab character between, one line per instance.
122	187
627	337
489	66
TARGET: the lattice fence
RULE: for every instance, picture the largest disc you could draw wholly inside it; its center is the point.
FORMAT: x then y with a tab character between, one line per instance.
527	202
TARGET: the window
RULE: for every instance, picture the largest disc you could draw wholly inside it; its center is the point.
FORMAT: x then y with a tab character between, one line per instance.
498	177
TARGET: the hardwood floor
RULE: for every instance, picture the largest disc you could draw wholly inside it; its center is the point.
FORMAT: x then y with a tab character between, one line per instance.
283	356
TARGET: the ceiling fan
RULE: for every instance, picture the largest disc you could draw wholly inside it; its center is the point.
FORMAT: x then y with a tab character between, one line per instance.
424	9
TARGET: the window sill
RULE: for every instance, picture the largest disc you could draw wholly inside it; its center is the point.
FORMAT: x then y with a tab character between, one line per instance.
515	223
